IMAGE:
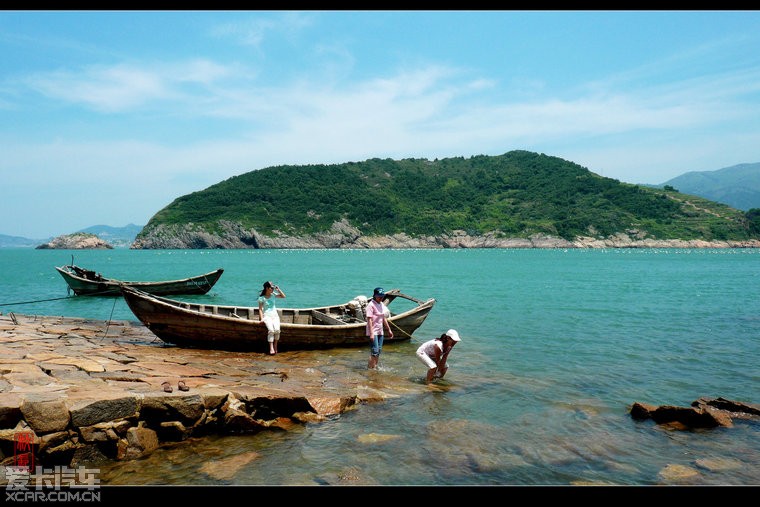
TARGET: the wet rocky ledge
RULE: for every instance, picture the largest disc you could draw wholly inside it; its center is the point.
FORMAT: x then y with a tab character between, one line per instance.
87	390
704	413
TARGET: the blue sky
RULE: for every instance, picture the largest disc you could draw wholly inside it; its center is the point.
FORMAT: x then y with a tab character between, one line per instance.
107	117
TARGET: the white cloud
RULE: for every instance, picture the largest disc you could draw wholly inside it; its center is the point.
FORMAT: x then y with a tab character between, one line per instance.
125	87
255	28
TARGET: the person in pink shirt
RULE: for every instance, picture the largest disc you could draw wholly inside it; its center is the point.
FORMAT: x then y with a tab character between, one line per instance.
377	322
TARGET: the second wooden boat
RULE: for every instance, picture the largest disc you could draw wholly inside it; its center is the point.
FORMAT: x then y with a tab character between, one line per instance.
87	282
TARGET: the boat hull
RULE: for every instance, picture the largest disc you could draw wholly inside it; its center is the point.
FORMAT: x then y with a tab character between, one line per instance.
197	325
82	285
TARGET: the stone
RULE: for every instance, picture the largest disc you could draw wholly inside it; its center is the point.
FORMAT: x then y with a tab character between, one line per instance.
88	456
53	439
139	442
226	469
718	464
186	408
703	413
10	410
97	432
376	438
45	415
333	405
173	431
678	473
87	413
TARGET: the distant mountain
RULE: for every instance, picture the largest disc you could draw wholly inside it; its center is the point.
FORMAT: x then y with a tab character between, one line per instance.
738	186
18	242
116	236
119	237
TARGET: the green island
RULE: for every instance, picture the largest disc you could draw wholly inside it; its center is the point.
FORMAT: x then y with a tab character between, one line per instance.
519	194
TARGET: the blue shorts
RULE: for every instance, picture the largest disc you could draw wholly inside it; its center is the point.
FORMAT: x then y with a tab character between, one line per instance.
377	345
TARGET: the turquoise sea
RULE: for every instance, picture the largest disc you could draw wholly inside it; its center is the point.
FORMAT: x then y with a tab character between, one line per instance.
556	346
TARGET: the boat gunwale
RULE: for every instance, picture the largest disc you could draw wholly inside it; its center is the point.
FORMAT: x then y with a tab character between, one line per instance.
116	282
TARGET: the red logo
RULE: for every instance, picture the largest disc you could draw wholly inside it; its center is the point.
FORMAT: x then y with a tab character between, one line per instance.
23	450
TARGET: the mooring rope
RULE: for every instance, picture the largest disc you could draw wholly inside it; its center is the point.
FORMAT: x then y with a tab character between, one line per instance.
56	299
108	324
37	301
394	325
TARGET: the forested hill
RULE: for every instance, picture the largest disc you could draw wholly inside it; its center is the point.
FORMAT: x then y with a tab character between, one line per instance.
516	195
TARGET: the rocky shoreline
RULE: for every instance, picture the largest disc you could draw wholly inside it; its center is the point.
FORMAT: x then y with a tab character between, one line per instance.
85	391
342	235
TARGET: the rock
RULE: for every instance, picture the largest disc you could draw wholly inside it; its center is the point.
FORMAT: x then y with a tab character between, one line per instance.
236	419
82	363
173	431
140	441
703	413
308	417
688	416
349	476
76	241
188	408
45	415
61	453
332	406
233	235
642	410
718	464
10	410
101	432
123	413
87	413
88	456
376	438
225	469
735	407
678	473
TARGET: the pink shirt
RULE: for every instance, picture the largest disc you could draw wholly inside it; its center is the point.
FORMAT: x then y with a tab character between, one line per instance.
376	312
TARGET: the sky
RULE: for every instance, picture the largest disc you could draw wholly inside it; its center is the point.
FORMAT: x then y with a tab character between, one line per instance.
106	117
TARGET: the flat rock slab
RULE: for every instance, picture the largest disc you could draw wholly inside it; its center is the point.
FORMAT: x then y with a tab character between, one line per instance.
77	359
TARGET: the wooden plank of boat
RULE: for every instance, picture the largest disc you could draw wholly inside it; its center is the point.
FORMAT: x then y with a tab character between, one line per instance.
327	319
87	282
201	325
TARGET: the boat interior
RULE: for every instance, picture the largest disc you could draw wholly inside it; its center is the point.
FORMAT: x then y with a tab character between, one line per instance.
351	312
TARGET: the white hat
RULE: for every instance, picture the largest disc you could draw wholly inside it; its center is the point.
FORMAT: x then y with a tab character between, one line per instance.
451	333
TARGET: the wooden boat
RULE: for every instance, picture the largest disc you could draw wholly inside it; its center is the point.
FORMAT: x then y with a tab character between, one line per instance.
209	326
85	282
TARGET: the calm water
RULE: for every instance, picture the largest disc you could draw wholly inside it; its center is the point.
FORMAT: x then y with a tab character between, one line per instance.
556	346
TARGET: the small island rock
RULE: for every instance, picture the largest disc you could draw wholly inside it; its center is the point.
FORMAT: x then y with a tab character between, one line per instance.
76	241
